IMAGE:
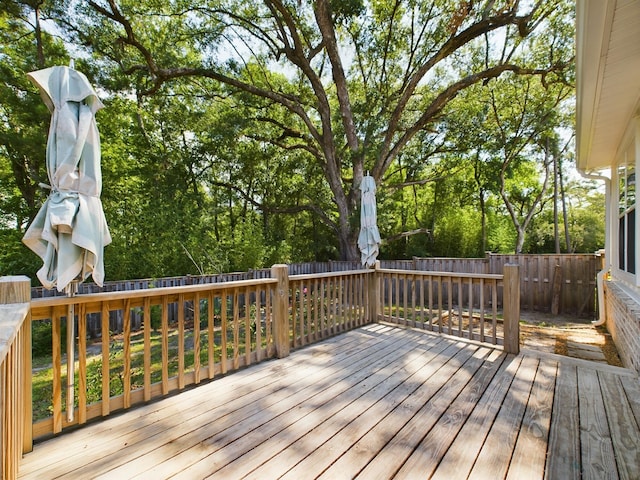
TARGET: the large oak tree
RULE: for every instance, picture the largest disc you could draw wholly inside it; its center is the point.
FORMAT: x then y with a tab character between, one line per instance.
359	80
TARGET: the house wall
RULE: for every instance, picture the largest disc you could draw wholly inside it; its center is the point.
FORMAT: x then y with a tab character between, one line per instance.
622	209
622	291
623	322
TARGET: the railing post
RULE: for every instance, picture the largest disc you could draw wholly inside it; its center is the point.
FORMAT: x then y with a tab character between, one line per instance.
281	310
15	375
511	308
374	293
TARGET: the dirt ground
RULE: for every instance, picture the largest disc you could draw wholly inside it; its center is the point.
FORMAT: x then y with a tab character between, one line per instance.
552	332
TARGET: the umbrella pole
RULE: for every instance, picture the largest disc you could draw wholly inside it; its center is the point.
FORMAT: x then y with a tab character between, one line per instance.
71	291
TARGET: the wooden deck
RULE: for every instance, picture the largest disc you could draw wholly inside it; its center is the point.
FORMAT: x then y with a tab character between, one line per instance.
376	402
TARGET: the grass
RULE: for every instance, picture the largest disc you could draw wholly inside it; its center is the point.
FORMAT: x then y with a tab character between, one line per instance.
43	370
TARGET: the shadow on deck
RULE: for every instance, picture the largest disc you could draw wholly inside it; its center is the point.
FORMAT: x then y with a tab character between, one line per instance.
376	402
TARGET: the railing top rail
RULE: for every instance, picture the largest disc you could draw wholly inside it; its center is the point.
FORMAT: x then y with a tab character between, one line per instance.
586	255
11	318
425	273
150	292
345	273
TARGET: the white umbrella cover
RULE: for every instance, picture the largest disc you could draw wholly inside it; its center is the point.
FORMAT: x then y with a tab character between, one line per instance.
70	230
369	238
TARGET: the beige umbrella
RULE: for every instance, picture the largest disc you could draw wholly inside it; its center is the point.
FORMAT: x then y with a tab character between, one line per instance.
70	231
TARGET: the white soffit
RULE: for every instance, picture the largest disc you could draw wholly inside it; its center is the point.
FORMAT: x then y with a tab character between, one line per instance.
607	76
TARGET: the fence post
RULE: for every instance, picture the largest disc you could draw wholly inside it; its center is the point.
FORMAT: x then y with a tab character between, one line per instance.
556	290
511	308
281	310
374	293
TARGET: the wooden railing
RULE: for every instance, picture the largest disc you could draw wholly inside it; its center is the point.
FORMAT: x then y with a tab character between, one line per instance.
190	334
326	304
15	373
187	334
464	305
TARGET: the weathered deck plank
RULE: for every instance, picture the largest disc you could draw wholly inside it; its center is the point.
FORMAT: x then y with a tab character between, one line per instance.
424	412
245	420
435	444
564	439
377	402
365	386
530	454
387	391
493	459
462	454
154	420
626	444
598	460
344	428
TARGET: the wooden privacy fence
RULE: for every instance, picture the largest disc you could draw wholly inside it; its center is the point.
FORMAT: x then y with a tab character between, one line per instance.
555	283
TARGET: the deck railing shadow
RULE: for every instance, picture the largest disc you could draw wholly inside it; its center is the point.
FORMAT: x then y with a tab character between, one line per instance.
196	333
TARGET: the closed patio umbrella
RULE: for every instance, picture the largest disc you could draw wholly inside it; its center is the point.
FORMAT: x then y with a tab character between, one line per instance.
369	238
70	231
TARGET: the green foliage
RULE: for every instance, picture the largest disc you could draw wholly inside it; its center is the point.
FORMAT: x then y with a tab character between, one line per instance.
457	234
15	258
42	338
585	210
247	160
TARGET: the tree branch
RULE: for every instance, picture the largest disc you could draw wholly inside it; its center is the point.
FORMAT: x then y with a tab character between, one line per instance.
406	234
272	209
452	45
325	23
442	100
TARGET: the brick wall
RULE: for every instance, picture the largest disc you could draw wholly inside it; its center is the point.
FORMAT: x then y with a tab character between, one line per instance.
623	322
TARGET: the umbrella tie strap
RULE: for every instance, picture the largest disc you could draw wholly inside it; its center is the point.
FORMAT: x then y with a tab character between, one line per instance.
46	186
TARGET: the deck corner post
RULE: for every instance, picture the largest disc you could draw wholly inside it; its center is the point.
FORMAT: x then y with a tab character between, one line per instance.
281	310
374	293
15	375
511	308
15	289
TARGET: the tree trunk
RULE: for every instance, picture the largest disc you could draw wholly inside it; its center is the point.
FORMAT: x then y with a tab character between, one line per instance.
565	216
556	230
520	240
349	249
41	62
482	201
483	222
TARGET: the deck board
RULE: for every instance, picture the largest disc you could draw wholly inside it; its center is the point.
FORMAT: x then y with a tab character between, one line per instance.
376	402
564	437
530	453
598	459
494	458
244	420
401	446
626	444
462	454
435	444
306	453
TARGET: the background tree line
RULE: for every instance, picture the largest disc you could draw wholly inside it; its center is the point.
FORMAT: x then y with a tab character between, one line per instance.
236	135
